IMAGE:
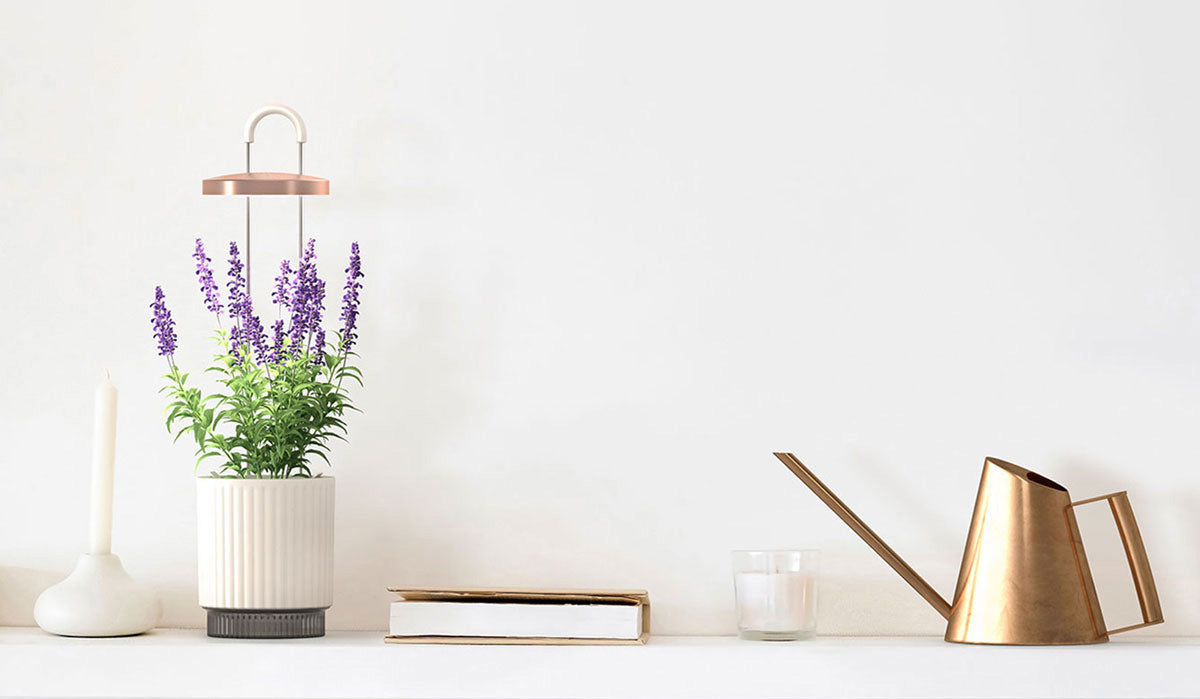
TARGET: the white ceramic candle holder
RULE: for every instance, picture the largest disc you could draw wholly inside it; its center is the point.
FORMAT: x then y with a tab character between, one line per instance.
99	598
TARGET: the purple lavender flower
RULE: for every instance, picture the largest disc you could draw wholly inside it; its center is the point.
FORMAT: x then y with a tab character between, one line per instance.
282	294
276	351
253	333
319	347
308	300
299	296
164	326
349	315
316	303
236	285
247	328
212	298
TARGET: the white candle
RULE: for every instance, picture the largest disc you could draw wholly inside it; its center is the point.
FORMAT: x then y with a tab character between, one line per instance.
776	602
104	445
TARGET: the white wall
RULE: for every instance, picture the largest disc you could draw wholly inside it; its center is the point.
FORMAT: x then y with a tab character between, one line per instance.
616	254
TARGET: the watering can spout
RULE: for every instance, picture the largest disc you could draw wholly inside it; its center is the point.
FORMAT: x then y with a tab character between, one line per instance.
893	559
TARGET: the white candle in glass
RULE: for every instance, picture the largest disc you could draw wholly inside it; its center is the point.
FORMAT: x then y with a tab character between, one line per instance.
776	594
776	602
104	445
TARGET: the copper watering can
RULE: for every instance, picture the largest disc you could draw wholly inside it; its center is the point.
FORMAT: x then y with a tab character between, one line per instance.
1024	578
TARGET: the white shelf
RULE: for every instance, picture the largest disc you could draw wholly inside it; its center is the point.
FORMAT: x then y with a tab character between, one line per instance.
176	663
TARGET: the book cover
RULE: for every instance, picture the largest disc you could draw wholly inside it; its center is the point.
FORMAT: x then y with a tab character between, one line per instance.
639	600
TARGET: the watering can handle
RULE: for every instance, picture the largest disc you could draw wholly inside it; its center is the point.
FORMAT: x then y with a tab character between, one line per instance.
1139	563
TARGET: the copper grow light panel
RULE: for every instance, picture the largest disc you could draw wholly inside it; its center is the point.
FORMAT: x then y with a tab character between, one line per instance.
267	183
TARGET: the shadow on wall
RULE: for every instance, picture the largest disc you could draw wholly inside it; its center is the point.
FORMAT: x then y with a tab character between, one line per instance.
19	589
181	607
854	605
1187	503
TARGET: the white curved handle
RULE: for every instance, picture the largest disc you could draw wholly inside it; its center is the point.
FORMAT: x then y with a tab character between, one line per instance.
301	131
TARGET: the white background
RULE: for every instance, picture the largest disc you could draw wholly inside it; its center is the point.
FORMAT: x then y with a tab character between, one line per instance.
616	254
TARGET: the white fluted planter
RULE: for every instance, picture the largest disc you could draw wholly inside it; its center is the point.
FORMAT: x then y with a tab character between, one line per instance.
265	555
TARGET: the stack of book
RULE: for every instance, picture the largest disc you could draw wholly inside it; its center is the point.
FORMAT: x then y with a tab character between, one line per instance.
512	616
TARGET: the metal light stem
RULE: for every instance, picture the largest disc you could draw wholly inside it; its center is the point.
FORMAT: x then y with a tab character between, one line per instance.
247	226
300	214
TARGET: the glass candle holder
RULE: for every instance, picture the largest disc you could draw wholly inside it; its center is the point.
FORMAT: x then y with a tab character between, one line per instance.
776	594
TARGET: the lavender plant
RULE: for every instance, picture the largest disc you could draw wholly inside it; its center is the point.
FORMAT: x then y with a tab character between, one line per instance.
281	396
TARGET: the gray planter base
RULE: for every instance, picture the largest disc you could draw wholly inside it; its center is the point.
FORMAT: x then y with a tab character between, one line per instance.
266	623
